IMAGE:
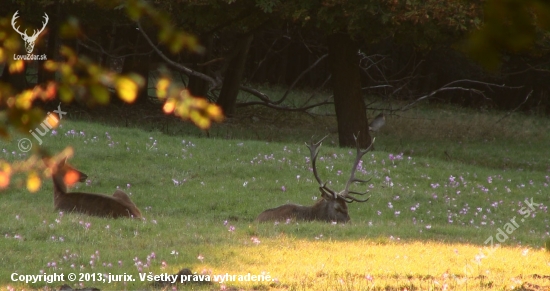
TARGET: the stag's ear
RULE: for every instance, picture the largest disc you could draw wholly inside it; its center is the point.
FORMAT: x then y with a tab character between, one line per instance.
325	194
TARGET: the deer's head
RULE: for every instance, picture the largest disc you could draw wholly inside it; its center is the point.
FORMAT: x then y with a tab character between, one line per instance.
29	40
333	205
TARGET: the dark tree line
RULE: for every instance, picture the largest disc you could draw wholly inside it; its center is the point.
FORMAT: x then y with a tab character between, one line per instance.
394	52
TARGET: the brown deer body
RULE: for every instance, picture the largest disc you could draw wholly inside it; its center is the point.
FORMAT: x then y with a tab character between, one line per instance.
118	205
332	207
323	210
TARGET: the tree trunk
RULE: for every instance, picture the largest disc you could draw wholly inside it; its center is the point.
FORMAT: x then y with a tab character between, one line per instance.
233	76
51	49
140	66
198	86
17	80
346	82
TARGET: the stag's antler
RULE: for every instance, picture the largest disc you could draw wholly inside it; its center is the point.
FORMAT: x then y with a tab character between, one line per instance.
345	194
15	16
314	151
29	40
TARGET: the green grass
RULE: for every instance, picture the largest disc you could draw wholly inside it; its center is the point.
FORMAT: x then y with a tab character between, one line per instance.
416	232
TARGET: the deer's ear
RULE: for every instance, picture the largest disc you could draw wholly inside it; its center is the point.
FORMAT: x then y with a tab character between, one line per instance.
325	194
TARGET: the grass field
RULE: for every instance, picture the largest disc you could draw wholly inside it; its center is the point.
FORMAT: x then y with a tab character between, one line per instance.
448	209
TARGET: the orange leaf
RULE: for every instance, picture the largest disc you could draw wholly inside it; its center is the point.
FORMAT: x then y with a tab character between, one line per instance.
169	106
4	180
71	177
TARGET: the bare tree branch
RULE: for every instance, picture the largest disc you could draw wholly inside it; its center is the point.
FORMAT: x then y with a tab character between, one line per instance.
101	50
447	87
515	109
298	79
186	70
285	108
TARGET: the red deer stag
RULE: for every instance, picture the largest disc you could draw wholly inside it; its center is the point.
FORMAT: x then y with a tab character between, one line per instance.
331	207
118	205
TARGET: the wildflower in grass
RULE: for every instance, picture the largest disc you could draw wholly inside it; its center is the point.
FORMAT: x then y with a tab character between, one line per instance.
255	240
287	221
379	212
390	206
225	222
489	179
200	258
283	188
245	183
428	226
434	185
175	253
434	196
298	177
369	277
231	228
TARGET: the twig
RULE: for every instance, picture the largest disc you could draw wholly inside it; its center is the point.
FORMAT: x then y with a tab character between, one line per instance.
447	87
298	79
213	83
515	109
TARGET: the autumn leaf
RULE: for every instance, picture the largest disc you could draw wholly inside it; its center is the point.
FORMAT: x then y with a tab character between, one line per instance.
169	106
162	88
33	182
5	173
126	89
71	177
17	66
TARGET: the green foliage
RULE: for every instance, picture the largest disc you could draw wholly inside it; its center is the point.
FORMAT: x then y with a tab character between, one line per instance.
510	26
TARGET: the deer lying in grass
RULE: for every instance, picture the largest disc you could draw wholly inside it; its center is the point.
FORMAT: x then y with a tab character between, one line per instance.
331	207
118	205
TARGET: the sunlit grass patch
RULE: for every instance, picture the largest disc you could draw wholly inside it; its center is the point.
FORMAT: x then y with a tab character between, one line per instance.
366	265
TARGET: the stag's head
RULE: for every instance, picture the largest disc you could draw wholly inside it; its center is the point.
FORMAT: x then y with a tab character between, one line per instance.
29	40
333	205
